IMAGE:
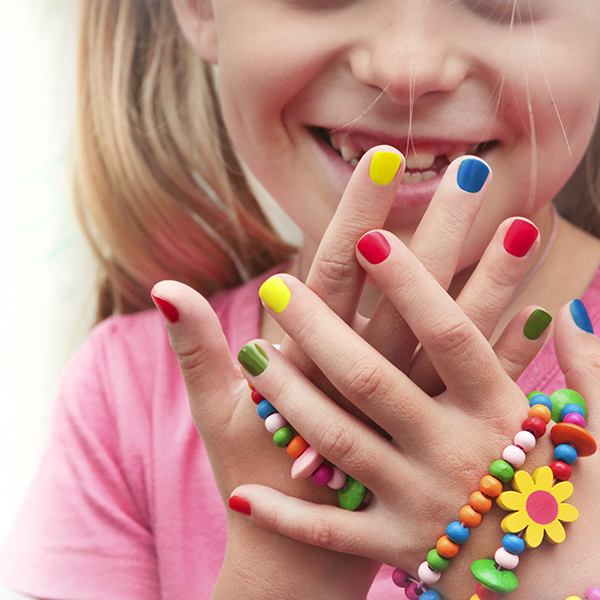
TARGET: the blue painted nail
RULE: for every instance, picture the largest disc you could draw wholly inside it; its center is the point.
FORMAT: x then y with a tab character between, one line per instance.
472	174
580	316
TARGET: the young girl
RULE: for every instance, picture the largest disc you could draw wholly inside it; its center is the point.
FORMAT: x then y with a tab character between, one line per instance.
314	97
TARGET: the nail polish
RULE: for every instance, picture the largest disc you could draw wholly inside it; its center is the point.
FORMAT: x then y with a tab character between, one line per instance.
472	174
519	238
580	316
240	505
374	247
384	166
253	359
536	324
275	294
166	309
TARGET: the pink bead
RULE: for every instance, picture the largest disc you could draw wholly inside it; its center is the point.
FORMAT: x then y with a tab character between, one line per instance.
338	479
427	574
574	419
525	440
322	475
505	559
412	592
513	455
400	578
275	422
592	594
306	464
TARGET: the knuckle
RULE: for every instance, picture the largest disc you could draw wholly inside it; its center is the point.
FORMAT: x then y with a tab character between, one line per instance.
333	272
453	338
191	359
321	533
367	382
337	441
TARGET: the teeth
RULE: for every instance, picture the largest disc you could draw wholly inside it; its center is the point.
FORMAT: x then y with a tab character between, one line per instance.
348	154
421	161
418	177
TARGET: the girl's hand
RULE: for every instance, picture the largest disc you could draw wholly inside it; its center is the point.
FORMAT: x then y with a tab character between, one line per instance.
444	445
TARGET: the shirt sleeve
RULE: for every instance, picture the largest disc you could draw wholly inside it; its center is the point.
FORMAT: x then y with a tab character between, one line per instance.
84	531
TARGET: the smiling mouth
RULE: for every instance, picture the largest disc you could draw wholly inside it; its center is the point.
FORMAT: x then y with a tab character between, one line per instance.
421	164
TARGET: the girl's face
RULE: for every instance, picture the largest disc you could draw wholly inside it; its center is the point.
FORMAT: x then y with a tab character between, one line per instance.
307	86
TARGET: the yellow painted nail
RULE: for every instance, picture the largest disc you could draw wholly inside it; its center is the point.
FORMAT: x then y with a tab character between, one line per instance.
275	294
384	166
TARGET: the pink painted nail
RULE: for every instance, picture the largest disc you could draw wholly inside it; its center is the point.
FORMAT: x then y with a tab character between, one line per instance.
240	505
520	237
166	309
374	247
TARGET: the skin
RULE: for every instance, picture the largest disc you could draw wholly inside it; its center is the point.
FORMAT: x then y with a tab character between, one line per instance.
275	87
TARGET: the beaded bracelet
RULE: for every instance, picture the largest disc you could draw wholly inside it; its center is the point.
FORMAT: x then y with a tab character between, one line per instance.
542	409
537	503
307	461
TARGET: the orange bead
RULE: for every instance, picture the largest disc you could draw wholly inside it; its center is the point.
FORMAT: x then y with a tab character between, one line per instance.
578	437
479	502
490	486
468	516
297	446
539	410
446	547
250	385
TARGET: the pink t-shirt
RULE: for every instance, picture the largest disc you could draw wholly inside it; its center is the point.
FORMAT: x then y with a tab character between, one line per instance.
124	505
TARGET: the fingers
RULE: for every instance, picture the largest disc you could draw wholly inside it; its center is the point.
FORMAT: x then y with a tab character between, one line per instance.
341	438
437	243
202	351
490	289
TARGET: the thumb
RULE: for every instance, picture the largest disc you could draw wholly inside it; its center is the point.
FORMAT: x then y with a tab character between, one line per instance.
578	351
199	343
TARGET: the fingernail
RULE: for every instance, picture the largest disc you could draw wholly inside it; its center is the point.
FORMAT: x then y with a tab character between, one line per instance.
384	166
536	324
166	309
240	505
374	247
275	294
253	359
580	316
519	238
472	174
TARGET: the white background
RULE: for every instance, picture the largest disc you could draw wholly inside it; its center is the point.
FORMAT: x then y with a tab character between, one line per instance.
46	273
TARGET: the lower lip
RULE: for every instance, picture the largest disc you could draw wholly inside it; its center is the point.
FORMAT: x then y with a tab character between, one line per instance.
410	196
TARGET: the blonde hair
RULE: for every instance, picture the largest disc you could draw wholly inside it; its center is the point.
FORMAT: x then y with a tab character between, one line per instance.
158	189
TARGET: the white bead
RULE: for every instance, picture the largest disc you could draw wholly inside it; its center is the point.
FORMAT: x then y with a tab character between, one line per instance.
275	422
505	559
427	574
513	455
525	440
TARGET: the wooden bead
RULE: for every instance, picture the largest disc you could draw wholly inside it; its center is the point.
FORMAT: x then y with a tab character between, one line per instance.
338	479
446	547
486	572
275	422
525	440
436	561
541	411
536	425
592	594
502	470
306	464
323	474
490	486
427	574
257	398
561	398
485	594
350	497
573	435
468	516
505	559
282	437
400	578
561	470
575	419
264	409
297	446
480	503
457	532
514	456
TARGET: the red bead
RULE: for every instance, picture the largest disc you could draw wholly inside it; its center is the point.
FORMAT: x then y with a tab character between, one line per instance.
256	397
485	594
561	471
536	425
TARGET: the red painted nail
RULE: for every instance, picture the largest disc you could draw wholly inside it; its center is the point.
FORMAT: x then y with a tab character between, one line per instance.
520	237
167	310
374	247
240	505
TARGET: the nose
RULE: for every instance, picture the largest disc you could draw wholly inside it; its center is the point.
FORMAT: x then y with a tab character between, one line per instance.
410	51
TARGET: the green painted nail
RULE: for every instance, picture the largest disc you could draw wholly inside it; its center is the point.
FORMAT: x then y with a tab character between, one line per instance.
253	359
536	324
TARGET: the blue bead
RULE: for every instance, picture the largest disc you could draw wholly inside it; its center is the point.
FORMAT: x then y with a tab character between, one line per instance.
571	408
264	409
513	543
541	399
566	453
457	533
430	595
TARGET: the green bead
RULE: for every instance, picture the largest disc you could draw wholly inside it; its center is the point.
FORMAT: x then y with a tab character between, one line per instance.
436	561
282	437
561	398
501	470
352	494
487	573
